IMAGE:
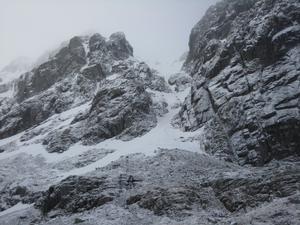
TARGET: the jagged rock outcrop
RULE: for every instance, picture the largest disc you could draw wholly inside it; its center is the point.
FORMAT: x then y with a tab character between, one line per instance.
67	61
244	57
244	63
119	46
181	81
176	201
60	97
12	196
121	108
75	194
74	76
83	54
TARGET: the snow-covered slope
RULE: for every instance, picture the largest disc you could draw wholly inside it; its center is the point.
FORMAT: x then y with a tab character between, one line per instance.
162	136
49	122
93	135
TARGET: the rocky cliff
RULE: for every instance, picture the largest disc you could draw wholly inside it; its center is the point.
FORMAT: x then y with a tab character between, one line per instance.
245	60
77	75
87	137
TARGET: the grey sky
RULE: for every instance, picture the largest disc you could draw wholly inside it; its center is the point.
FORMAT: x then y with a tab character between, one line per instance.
157	29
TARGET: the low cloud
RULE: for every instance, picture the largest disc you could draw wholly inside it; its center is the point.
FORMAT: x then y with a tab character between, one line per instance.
157	29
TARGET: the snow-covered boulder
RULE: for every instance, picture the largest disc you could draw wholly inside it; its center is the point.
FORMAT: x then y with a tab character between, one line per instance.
75	194
181	81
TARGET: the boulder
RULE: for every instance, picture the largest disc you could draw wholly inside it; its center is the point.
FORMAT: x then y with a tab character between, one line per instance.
181	81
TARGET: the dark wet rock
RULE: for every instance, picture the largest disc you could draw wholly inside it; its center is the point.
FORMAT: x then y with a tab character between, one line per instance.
19	190
244	58
78	220
74	194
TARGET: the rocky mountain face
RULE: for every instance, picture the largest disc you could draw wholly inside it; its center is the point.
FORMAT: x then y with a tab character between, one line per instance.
94	136
76	75
244	59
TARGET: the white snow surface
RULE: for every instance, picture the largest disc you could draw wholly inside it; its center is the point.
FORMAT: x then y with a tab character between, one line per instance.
113	77
32	148
18	207
294	28
163	136
87	50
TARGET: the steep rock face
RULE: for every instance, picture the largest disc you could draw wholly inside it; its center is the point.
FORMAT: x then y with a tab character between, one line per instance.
71	78
67	61
121	108
70	59
245	60
239	193
60	97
